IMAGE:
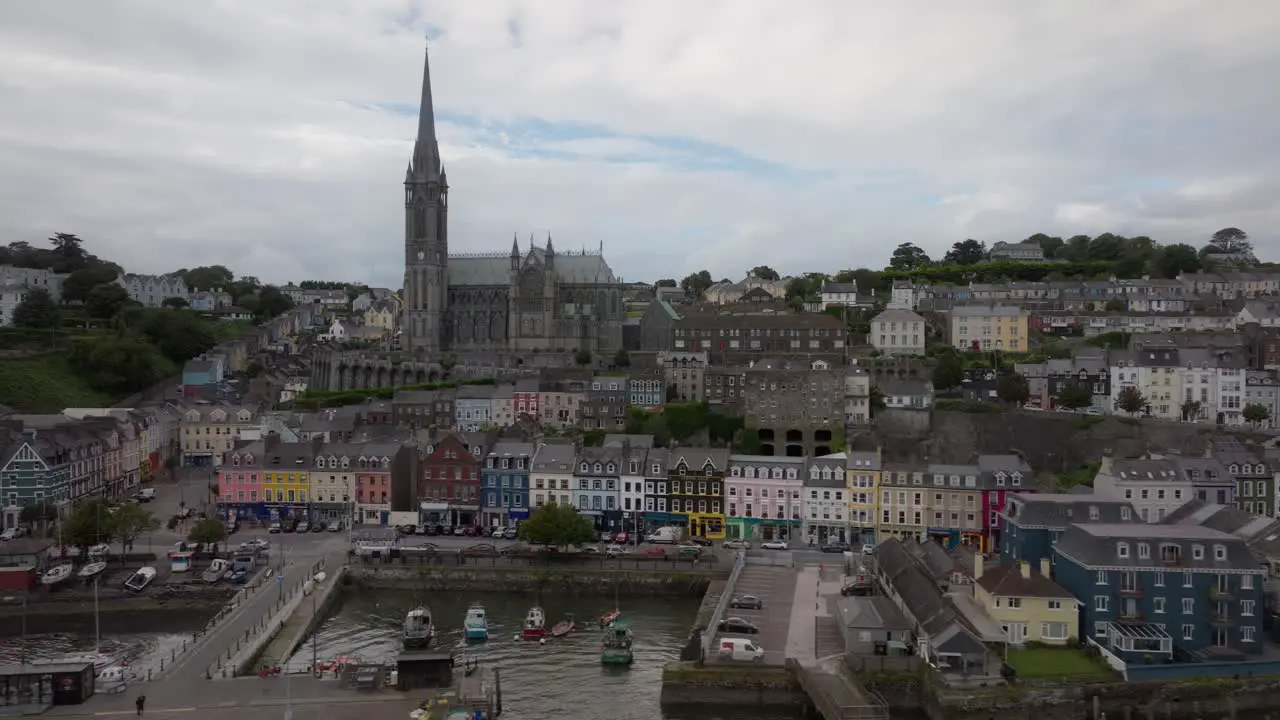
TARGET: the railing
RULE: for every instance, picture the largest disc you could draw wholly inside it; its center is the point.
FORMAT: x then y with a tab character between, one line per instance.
706	564
709	632
830	707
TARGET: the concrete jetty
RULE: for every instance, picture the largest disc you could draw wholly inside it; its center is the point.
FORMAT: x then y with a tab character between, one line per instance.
297	621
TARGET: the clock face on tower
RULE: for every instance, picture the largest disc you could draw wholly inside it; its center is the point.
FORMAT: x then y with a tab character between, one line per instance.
421	254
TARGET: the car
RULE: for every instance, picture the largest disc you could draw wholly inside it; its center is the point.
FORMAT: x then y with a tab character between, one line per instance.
774	545
746	602
738	625
317	526
737	545
868	549
238	577
302	527
499	532
99	550
689	551
516	549
613	550
655	552
621	537
606	535
406	529
590	549
836	547
480	550
699	541
510	534
462	530
260	543
275	528
13	533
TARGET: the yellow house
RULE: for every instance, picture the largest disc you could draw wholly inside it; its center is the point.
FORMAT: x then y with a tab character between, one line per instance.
862	476
989	327
1029	606
382	314
208	432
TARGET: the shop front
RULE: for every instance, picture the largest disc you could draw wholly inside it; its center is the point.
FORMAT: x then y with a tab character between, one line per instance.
947	537
275	512
596	516
518	514
761	529
242	511
433	513
611	520
328	512
462	514
823	533
706	525
655	520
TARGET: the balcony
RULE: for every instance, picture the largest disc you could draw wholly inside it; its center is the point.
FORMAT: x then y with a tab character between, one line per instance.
1130	616
1221	617
1218	593
1130	590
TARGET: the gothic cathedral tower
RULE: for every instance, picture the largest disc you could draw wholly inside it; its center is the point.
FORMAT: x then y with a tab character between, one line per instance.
426	237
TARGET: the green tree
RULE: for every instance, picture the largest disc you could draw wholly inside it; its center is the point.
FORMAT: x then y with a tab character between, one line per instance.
118	363
764	272
622	358
1073	396
1115	304
179	334
966	252
38	515
1190	410
875	403
949	372
37	310
105	300
272	303
557	526
1130	400
1256	414
208	532
207	277
1174	260
78	284
89	524
1230	240
128	522
582	357
666	282
68	253
908	256
695	284
1013	388
176	303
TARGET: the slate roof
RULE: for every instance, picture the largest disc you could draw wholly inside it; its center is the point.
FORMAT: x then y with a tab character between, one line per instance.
1007	581
495	270
555	458
876	612
1055	511
697	458
1095	546
1262	534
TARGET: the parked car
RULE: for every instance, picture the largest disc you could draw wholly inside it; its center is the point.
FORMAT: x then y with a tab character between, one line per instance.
738	625
746	602
689	551
741	649
462	530
606	535
836	547
274	528
510	534
498	532
621	537
868	549
13	533
303	526
613	550
335	526
655	551
700	541
774	545
317	526
737	545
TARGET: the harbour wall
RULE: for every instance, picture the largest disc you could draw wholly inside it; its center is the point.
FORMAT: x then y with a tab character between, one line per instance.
575	581
687	683
127	615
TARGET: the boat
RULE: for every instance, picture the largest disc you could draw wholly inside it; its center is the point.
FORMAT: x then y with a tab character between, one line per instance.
608	618
535	624
564	627
418	630
476	624
138	581
56	574
217	570
92	570
615	646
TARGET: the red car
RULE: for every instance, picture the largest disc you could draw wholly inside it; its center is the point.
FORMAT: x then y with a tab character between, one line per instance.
655	551
621	537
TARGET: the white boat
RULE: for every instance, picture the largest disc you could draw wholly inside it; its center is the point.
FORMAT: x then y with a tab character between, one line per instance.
217	570
140	579
418	629
476	624
56	574
99	660
92	570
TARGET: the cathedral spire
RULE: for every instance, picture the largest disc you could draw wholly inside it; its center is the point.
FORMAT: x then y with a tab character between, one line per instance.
426	150
515	245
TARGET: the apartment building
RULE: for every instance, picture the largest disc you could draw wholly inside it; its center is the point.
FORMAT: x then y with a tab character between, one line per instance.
983	328
898	331
763	497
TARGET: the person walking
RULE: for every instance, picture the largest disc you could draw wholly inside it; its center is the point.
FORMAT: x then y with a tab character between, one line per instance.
141	703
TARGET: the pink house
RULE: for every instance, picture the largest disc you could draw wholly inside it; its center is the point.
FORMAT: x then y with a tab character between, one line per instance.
240	483
762	497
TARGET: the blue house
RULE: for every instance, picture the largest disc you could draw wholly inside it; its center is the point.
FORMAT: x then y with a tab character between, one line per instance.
1031	523
198	372
1154	594
504	479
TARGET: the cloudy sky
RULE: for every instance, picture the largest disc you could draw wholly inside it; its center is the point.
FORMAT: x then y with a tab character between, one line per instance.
272	135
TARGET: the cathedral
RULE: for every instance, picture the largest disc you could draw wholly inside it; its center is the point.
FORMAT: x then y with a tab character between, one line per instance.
535	298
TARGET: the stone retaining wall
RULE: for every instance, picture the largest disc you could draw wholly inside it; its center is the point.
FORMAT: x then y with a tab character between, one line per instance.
685	683
580	582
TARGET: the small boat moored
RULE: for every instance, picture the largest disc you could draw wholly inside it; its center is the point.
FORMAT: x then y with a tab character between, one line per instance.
564	627
609	617
476	624
615	646
535	624
56	574
140	579
418	629
92	570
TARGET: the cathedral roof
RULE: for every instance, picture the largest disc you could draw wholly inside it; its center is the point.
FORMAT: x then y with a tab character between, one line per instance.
570	269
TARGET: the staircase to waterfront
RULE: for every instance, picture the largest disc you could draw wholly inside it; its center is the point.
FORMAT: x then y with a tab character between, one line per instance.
836	694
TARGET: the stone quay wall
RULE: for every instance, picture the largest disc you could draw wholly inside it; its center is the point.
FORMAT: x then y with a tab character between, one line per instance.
525	579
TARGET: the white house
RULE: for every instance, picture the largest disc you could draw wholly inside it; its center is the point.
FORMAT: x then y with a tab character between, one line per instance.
1154	486
898	331
337	332
904	295
551	476
836	294
826	500
293	387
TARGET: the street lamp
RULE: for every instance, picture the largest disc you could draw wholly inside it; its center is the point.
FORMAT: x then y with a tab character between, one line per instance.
23	598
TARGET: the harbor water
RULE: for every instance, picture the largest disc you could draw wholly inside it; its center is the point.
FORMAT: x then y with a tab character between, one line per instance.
560	679
129	649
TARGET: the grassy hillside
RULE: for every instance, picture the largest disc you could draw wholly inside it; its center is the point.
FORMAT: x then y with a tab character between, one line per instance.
46	384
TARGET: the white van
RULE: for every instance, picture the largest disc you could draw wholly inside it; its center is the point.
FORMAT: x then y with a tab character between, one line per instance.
665	535
741	649
147	494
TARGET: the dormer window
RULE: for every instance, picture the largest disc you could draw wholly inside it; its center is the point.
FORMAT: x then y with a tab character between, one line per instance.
1235	469
1093	512
1219	552
1197	552
813	473
596	468
248	459
386	463
791	473
777	473
333	461
584	467
656	469
346	463
735	471
1122	550
610	468
1125	514
235	459
364	462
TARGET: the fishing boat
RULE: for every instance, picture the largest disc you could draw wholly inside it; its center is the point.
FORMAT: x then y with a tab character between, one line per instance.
418	630
56	574
476	624
613	614
138	581
92	570
615	646
217	570
535	624
564	627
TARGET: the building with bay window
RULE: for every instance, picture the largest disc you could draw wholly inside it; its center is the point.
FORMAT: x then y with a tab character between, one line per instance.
826	501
